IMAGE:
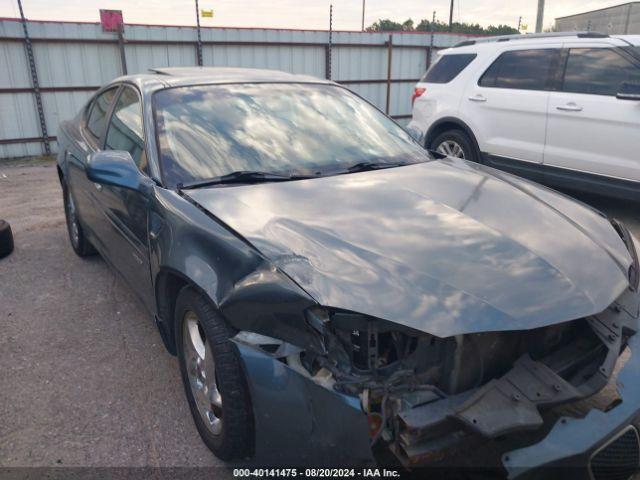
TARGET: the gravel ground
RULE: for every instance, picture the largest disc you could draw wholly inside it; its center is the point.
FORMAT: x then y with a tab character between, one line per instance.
84	378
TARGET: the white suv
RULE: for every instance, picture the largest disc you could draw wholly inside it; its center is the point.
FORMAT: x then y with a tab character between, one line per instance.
562	109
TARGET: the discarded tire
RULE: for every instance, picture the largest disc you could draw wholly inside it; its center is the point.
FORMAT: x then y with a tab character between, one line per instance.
6	239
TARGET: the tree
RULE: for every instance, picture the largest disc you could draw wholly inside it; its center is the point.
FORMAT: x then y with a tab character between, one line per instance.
407	26
501	30
425	25
384	25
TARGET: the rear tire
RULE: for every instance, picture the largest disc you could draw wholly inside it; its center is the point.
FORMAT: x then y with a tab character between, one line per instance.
6	239
455	143
79	242
220	402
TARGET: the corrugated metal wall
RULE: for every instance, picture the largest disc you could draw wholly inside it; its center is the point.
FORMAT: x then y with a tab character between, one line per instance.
618	20
73	59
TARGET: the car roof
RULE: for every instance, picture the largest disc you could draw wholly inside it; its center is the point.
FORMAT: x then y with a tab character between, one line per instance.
633	39
536	39
167	77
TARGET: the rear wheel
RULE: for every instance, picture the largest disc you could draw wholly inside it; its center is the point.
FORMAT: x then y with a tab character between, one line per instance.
213	378
455	143
79	242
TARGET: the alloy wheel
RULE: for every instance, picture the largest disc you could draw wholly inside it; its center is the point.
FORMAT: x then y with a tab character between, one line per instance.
201	371
451	148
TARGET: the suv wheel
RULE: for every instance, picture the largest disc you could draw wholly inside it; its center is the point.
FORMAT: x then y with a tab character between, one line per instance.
455	143
79	242
213	377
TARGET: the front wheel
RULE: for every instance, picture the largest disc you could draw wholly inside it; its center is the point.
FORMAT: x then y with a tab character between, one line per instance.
455	143
213	377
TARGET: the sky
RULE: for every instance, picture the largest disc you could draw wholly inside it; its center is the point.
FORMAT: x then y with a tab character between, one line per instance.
306	14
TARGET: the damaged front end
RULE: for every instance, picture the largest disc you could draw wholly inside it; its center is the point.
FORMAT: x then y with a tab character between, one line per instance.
419	395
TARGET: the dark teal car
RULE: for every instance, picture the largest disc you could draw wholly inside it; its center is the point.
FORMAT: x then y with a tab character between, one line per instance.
336	294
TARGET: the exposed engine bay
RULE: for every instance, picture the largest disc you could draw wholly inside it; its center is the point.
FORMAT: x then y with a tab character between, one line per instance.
422	394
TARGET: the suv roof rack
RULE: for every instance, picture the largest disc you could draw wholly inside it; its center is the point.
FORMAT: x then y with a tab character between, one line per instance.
508	38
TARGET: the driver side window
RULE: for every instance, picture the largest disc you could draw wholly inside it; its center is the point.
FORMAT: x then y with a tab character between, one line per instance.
126	129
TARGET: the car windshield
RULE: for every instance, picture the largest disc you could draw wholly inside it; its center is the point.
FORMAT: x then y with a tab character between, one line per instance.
209	131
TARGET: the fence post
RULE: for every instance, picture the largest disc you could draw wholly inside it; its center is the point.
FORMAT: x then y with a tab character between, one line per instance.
389	59
199	44
123	55
430	50
328	46
35	82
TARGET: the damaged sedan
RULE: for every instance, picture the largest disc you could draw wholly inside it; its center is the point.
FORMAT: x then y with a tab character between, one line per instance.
337	295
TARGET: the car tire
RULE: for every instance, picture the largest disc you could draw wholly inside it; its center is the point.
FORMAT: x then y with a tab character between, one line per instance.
455	143
79	242
6	239
232	436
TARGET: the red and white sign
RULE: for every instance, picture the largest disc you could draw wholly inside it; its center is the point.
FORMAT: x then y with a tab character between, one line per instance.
111	20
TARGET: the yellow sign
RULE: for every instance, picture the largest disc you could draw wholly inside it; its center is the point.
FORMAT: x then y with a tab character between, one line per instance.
206	13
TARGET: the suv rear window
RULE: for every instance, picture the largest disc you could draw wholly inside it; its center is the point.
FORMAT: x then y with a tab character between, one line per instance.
448	68
521	69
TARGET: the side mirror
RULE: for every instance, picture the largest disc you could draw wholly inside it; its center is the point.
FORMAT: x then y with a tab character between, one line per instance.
116	168
629	91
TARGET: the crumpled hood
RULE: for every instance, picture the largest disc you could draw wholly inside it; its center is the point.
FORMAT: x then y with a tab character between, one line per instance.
446	247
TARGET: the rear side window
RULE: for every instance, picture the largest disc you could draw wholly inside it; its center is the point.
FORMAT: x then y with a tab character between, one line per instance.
448	68
597	71
522	69
96	122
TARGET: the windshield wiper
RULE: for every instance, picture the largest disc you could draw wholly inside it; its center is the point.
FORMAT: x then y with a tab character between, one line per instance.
367	166
242	176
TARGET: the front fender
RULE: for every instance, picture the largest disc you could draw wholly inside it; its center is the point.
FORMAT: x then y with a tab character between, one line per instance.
249	292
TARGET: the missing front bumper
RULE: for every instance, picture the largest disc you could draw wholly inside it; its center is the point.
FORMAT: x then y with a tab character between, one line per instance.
572	441
300	422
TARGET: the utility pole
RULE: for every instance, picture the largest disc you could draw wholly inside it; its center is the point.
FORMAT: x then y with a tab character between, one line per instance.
363	5
199	52
519	22
451	16
540	16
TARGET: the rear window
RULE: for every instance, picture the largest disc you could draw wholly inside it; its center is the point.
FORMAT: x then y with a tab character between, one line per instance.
522	69
448	68
597	71
97	121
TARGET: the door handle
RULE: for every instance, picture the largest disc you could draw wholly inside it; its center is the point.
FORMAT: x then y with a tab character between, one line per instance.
570	107
98	187
478	98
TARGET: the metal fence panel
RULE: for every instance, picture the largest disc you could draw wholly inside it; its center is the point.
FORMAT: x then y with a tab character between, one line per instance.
16	75
75	65
73	59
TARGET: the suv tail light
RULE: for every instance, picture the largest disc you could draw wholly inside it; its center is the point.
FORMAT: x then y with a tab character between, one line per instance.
416	93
